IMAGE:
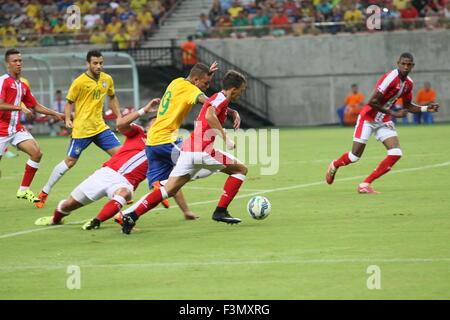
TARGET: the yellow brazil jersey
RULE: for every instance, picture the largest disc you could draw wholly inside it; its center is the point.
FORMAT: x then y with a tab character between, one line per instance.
177	101
88	95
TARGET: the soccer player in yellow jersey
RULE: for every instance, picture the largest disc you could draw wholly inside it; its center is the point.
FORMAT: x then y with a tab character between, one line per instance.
163	146
87	93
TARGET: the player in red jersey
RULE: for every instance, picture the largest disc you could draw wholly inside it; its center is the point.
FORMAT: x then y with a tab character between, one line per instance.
375	118
117	179
13	92
198	153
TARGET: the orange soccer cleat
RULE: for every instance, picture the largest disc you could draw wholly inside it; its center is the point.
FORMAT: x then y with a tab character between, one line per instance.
156	185
118	218
330	173
42	198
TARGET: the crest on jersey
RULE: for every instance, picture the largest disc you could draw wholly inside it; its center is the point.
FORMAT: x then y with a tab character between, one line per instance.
104	84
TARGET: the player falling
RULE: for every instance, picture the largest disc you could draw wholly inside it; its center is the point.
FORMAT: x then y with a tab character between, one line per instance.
117	179
14	92
198	153
375	118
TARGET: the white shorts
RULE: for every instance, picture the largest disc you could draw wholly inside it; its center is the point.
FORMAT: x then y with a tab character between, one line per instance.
382	130
192	162
102	183
14	139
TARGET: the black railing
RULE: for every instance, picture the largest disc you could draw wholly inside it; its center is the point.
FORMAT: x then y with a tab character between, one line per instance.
255	97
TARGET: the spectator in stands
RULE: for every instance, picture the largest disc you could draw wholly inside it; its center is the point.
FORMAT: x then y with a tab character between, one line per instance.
98	36
102	6
353	104
32	8
353	18
235	9
325	8
240	21
121	40
226	4
291	8
389	17
215	13
134	30
146	20
64	4
9	40
137	5
107	15
126	14
401	4
10	7
91	18
58	106
113	27
259	21
84	5
279	23
46	37
248	5
61	31
188	54
203	27
337	17
447	11
18	18
432	17
409	14
225	22
157	10
424	96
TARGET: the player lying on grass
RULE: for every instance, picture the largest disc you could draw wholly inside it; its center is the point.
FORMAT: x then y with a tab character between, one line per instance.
198	153
375	118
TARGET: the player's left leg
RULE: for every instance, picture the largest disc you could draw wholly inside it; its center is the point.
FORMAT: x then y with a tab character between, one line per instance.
64	208
388	136
26	143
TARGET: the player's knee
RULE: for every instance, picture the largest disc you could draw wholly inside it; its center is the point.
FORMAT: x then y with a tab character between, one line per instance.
70	162
36	156
243	170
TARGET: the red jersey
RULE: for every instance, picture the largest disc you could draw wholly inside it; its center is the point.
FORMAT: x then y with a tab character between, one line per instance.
392	87
13	92
202	138
130	161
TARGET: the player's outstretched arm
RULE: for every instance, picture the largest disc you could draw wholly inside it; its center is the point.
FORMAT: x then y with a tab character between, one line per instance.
41	109
124	123
214	123
415	108
8	107
68	114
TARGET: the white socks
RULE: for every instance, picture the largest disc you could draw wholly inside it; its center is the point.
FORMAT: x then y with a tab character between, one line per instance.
57	173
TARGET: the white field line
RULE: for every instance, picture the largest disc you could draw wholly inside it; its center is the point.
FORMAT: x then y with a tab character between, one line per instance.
244	196
221	263
221	189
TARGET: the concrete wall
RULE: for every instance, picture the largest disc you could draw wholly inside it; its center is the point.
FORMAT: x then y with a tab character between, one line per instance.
311	75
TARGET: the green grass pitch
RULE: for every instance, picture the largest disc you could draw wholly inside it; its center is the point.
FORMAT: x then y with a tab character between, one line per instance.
317	243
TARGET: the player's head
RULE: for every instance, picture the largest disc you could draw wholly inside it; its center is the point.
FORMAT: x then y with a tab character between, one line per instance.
405	63
94	62
427	85
234	83
200	76
13	60
150	122
354	88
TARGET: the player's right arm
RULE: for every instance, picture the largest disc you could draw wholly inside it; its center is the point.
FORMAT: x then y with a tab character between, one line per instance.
375	102
8	107
214	123
68	107
124	123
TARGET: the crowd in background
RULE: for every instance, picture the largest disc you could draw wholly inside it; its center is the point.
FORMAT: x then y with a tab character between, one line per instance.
29	23
239	18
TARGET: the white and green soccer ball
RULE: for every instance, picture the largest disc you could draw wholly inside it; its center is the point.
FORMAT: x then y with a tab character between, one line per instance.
259	207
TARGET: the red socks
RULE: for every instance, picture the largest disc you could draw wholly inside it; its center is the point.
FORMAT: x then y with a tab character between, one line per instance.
230	189
345	159
58	216
30	170
383	167
151	201
109	210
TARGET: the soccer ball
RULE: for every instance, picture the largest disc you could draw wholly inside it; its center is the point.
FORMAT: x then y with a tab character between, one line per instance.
259	207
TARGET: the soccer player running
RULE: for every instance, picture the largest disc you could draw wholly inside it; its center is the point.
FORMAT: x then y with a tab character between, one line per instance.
198	154
13	91
162	143
117	179
87	93
375	118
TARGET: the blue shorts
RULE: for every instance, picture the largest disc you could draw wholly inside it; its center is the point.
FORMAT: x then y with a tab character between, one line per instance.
105	140
161	160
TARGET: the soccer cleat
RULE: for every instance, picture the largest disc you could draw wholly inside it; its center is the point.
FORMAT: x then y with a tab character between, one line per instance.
45	221
330	173
91	224
10	155
127	224
42	198
224	216
118	218
27	195
157	185
366	189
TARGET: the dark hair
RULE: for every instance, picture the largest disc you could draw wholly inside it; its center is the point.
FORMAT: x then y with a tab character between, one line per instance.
58	91
190	38
406	55
354	85
233	79
199	70
11	52
93	53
